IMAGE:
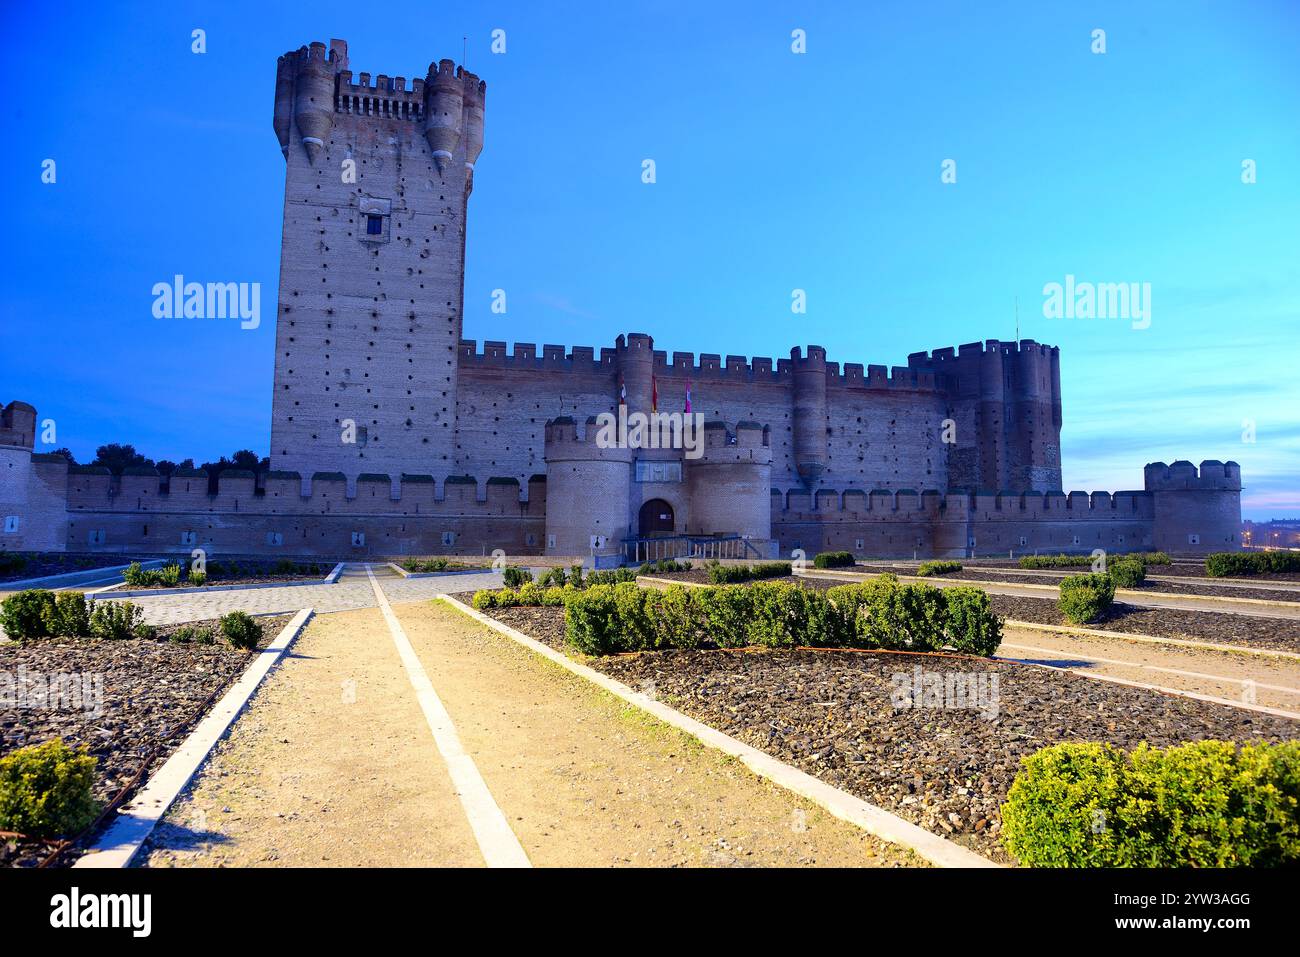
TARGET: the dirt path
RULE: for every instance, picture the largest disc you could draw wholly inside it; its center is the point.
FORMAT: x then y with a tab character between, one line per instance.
1250	679
308	778
331	765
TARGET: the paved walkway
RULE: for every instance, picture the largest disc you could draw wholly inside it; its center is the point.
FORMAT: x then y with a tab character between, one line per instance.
352	591
340	760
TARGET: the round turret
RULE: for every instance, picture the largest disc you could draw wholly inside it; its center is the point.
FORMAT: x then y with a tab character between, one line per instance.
810	456
475	91
314	102
443	111
588	487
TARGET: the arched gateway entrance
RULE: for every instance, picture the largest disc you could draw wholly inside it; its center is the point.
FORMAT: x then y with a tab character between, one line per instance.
656	519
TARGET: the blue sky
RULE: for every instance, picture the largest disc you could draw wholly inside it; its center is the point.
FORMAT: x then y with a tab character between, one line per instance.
775	171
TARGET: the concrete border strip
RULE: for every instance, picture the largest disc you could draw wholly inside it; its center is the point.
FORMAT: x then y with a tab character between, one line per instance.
497	842
485	570
875	820
1140	666
1149	639
333	577
1195	695
118	845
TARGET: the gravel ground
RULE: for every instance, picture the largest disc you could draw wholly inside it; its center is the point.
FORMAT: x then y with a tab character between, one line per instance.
946	769
151	694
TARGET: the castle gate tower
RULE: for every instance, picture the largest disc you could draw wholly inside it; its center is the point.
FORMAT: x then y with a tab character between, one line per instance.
372	263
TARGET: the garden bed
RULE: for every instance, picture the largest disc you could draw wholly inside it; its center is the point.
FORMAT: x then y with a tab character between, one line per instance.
152	693
1202	586
41	565
252	572
830	713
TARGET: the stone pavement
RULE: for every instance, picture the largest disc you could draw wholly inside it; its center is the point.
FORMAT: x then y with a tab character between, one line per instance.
352	591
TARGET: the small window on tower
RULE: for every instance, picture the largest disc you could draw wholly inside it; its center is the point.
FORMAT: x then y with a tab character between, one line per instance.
374	225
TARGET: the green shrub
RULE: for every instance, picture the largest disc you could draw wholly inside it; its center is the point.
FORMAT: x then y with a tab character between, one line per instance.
134	575
197	578
1201	804
186	634
636	610
970	626
513	576
729	574
1251	563
68	616
284	567
24	615
663	565
1086	598
926	569
726	613
1127	572
834	560
240	630
591	621
553	577
612	576
530	593
484	599
169	574
11	564
780	615
555	596
575	576
680	620
115	620
1079	561
47	790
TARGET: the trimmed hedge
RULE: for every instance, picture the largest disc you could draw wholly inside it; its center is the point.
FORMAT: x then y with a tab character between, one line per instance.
1201	804
1072	561
1220	564
926	569
879	613
1086	598
834	560
731	574
47	790
25	615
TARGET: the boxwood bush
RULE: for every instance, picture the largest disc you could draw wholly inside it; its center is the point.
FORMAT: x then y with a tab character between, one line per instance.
240	629
25	615
1220	564
926	569
730	574
1201	804
834	560
1126	572
1086	598
46	790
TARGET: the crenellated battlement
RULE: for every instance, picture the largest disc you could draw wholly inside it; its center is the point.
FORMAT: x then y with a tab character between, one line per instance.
834	504
1182	475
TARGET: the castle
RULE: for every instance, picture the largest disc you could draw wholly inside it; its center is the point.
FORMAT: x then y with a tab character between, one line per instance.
391	434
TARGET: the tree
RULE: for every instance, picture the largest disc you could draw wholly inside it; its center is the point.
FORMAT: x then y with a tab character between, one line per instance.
118	457
67	454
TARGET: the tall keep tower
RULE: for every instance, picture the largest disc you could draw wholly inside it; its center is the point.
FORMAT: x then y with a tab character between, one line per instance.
372	263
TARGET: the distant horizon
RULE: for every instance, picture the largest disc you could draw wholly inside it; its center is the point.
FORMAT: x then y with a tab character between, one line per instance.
775	172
